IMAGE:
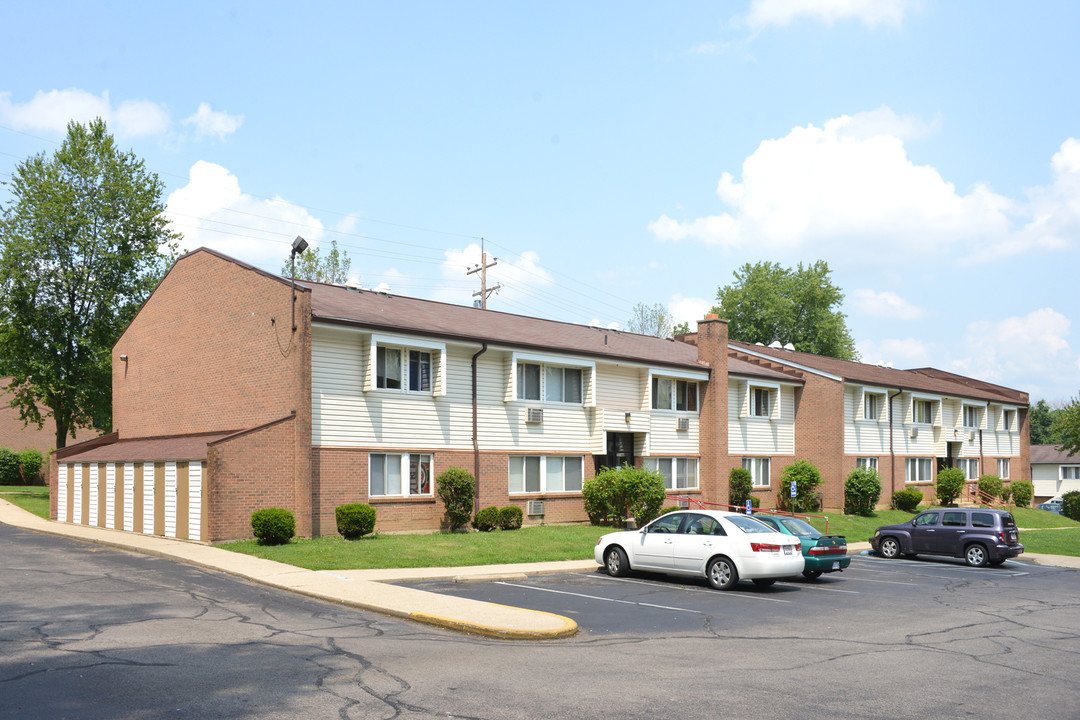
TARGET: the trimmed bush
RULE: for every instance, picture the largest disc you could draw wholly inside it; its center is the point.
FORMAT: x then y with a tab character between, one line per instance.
740	486
669	508
10	472
907	500
807	480
991	485
487	519
1070	505
273	526
862	489
354	520
615	493
598	496
456	488
1022	492
30	461
510	517
950	483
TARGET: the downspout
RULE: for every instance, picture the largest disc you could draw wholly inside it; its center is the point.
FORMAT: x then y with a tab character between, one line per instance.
475	434
892	450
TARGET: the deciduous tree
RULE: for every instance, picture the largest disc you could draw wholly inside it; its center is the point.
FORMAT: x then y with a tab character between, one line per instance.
85	241
1067	427
650	320
332	269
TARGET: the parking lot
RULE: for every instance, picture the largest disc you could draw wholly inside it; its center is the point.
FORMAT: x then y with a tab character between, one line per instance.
872	589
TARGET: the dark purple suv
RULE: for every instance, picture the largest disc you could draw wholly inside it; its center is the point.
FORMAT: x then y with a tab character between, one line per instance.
978	535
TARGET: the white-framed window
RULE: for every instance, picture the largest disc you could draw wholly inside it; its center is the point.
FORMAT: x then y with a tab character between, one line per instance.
399	474
546	473
1003	468
972	416
922	411
1008	420
672	394
919	470
970	466
402	369
679	473
761	401
1070	472
872	404
552	382
759	470
866	462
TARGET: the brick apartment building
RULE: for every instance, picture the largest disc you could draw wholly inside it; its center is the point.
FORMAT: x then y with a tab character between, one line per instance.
234	390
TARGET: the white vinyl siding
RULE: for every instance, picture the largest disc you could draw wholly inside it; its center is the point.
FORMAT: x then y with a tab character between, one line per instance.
751	435
679	473
62	492
864	437
620	388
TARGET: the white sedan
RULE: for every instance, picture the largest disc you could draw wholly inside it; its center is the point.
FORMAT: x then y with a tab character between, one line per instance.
722	546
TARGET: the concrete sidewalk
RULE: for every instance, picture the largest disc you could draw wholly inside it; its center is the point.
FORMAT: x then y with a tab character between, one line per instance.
371	589
367	592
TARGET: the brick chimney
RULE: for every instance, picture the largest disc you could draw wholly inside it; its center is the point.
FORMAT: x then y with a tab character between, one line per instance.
712	349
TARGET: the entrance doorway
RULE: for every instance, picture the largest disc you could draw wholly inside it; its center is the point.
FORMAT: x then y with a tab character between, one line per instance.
620	450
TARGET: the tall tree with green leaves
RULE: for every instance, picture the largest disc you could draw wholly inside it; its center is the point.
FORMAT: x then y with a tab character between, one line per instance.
85	241
799	305
650	320
1066	426
1041	421
332	269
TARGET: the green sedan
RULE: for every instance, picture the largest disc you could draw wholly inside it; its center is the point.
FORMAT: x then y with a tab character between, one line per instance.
822	553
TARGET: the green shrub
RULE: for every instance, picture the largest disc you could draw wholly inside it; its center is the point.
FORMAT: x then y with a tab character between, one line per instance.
862	489
456	488
1070	505
486	519
1022	492
615	493
510	517
669	508
740	486
273	526
354	520
950	483
30	462
991	485
1006	492
807	479
10	472
907	500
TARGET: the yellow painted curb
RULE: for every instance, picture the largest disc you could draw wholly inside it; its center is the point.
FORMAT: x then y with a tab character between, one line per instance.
568	629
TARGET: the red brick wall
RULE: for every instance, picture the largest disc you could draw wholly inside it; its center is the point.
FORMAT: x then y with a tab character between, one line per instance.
819	434
212	349
252	471
715	465
18	436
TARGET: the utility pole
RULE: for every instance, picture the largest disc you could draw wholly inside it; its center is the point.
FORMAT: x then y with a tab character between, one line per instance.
484	291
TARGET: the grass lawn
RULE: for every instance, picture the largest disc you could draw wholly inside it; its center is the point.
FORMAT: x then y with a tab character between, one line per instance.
529	544
1052	542
34	498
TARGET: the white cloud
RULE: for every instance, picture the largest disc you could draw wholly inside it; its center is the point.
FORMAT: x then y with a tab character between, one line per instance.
596	323
212	211
901	353
884	304
848	190
689	309
211	122
51	111
870	12
1033	346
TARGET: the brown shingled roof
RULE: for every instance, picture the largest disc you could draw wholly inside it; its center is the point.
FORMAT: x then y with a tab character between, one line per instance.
373	310
184	447
922	379
1050	455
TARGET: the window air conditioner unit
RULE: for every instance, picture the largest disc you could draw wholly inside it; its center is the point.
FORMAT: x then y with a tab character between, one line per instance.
971	435
536	415
536	507
685	504
684	424
914	432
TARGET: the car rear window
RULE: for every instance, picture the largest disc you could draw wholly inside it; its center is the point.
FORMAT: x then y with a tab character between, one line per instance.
1007	520
749	525
801	528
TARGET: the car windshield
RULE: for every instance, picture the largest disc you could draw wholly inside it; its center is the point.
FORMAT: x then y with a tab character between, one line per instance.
798	527
749	525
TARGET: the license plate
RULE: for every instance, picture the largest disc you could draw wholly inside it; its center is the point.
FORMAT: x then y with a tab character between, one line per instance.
1012	537
836	565
787	549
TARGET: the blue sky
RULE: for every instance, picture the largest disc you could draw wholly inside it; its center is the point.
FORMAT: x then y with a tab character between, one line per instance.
611	153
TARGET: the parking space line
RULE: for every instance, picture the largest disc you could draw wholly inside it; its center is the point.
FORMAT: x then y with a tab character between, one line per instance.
883	582
604	599
690	589
825	589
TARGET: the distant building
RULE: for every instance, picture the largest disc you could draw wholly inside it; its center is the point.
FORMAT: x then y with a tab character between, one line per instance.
17	435
1053	472
222	408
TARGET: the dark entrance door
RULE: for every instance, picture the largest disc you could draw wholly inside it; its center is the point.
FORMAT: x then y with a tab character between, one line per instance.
620	449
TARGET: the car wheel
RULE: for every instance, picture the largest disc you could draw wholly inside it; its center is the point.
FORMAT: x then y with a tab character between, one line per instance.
722	573
890	548
615	562
975	555
764	582
811	574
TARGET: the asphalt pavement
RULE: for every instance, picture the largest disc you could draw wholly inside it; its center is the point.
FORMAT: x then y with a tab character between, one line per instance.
374	589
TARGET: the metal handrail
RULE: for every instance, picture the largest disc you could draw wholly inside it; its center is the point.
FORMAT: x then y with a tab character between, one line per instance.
739	508
972	493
